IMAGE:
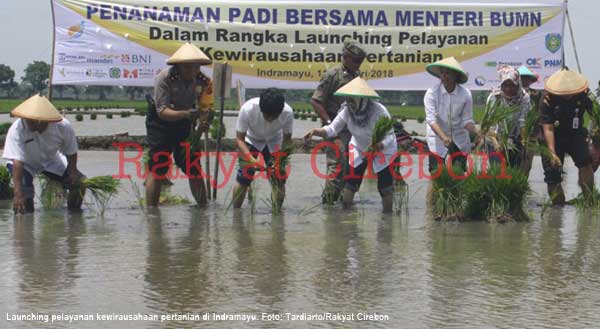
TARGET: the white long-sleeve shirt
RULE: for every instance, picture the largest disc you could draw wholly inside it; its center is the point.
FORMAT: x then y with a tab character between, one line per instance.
452	112
41	152
361	136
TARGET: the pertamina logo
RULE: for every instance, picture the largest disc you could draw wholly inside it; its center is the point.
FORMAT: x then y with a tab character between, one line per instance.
553	42
130	74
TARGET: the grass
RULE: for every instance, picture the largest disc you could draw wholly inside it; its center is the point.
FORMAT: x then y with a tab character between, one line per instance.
6	190
4	128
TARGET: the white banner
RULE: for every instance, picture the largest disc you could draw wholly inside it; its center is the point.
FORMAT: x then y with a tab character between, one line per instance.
289	44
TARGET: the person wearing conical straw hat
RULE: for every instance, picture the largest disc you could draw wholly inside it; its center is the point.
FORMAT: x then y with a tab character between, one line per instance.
359	113
528	78
177	91
41	141
562	109
448	113
327	106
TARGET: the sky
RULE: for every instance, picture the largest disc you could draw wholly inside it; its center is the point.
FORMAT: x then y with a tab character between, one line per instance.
26	31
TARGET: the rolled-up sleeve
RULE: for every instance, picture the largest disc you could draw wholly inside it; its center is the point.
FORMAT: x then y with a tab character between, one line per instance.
69	146
430	107
288	125
467	113
14	146
242	121
337	125
162	94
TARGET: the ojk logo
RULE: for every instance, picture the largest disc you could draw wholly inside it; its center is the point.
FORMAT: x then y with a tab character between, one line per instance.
553	42
535	63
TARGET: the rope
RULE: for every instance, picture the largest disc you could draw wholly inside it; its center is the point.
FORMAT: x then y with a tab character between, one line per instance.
573	40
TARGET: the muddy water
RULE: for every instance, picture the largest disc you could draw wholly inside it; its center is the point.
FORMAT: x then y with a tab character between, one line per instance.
422	274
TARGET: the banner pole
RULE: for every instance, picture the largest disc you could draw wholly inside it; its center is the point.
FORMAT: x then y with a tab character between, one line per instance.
572	40
220	128
53	51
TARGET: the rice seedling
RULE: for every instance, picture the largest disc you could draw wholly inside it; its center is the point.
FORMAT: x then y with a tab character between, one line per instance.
277	176
52	195
79	117
500	198
103	188
595	118
138	194
447	201
383	127
109	116
6	190
496	115
93	116
421	119
587	201
214	128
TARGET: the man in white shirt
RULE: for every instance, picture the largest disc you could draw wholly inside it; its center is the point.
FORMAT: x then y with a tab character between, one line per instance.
41	141
264	126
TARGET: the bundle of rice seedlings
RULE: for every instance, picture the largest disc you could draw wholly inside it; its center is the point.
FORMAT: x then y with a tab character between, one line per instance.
102	188
587	201
496	114
277	172
6	190
383	127
447	201
595	118
52	195
496	199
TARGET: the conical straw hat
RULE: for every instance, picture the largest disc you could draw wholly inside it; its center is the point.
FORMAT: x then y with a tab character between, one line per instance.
450	63
357	88
566	82
188	53
37	108
525	72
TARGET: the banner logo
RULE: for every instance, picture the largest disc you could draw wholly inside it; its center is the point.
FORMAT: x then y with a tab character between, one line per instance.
553	42
76	31
115	73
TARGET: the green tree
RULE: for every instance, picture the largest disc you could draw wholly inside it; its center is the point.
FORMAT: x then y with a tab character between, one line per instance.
100	91
36	75
133	92
7	79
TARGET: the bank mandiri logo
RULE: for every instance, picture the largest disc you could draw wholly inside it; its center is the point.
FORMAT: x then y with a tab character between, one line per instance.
553	42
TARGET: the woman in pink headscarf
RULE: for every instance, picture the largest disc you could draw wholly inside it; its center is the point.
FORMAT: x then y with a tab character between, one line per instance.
511	94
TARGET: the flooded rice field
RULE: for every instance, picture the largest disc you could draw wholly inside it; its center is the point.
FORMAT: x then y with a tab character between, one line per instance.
401	271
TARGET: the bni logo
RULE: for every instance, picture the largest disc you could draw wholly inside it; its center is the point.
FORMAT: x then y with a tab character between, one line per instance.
136	59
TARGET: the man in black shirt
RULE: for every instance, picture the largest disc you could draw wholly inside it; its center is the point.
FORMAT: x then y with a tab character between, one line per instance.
562	109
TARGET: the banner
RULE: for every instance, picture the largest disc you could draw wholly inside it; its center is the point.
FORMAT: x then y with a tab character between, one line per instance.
290	44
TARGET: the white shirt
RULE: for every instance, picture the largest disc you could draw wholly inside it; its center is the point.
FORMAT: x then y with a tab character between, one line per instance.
452	112
260	132
41	152
361	136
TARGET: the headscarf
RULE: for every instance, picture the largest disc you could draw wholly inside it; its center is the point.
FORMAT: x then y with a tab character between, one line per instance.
358	108
509	73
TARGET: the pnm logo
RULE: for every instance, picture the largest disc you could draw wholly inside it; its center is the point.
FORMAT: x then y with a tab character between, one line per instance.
553	42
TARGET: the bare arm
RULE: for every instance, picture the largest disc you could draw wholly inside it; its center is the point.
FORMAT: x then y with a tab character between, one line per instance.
549	136
320	109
